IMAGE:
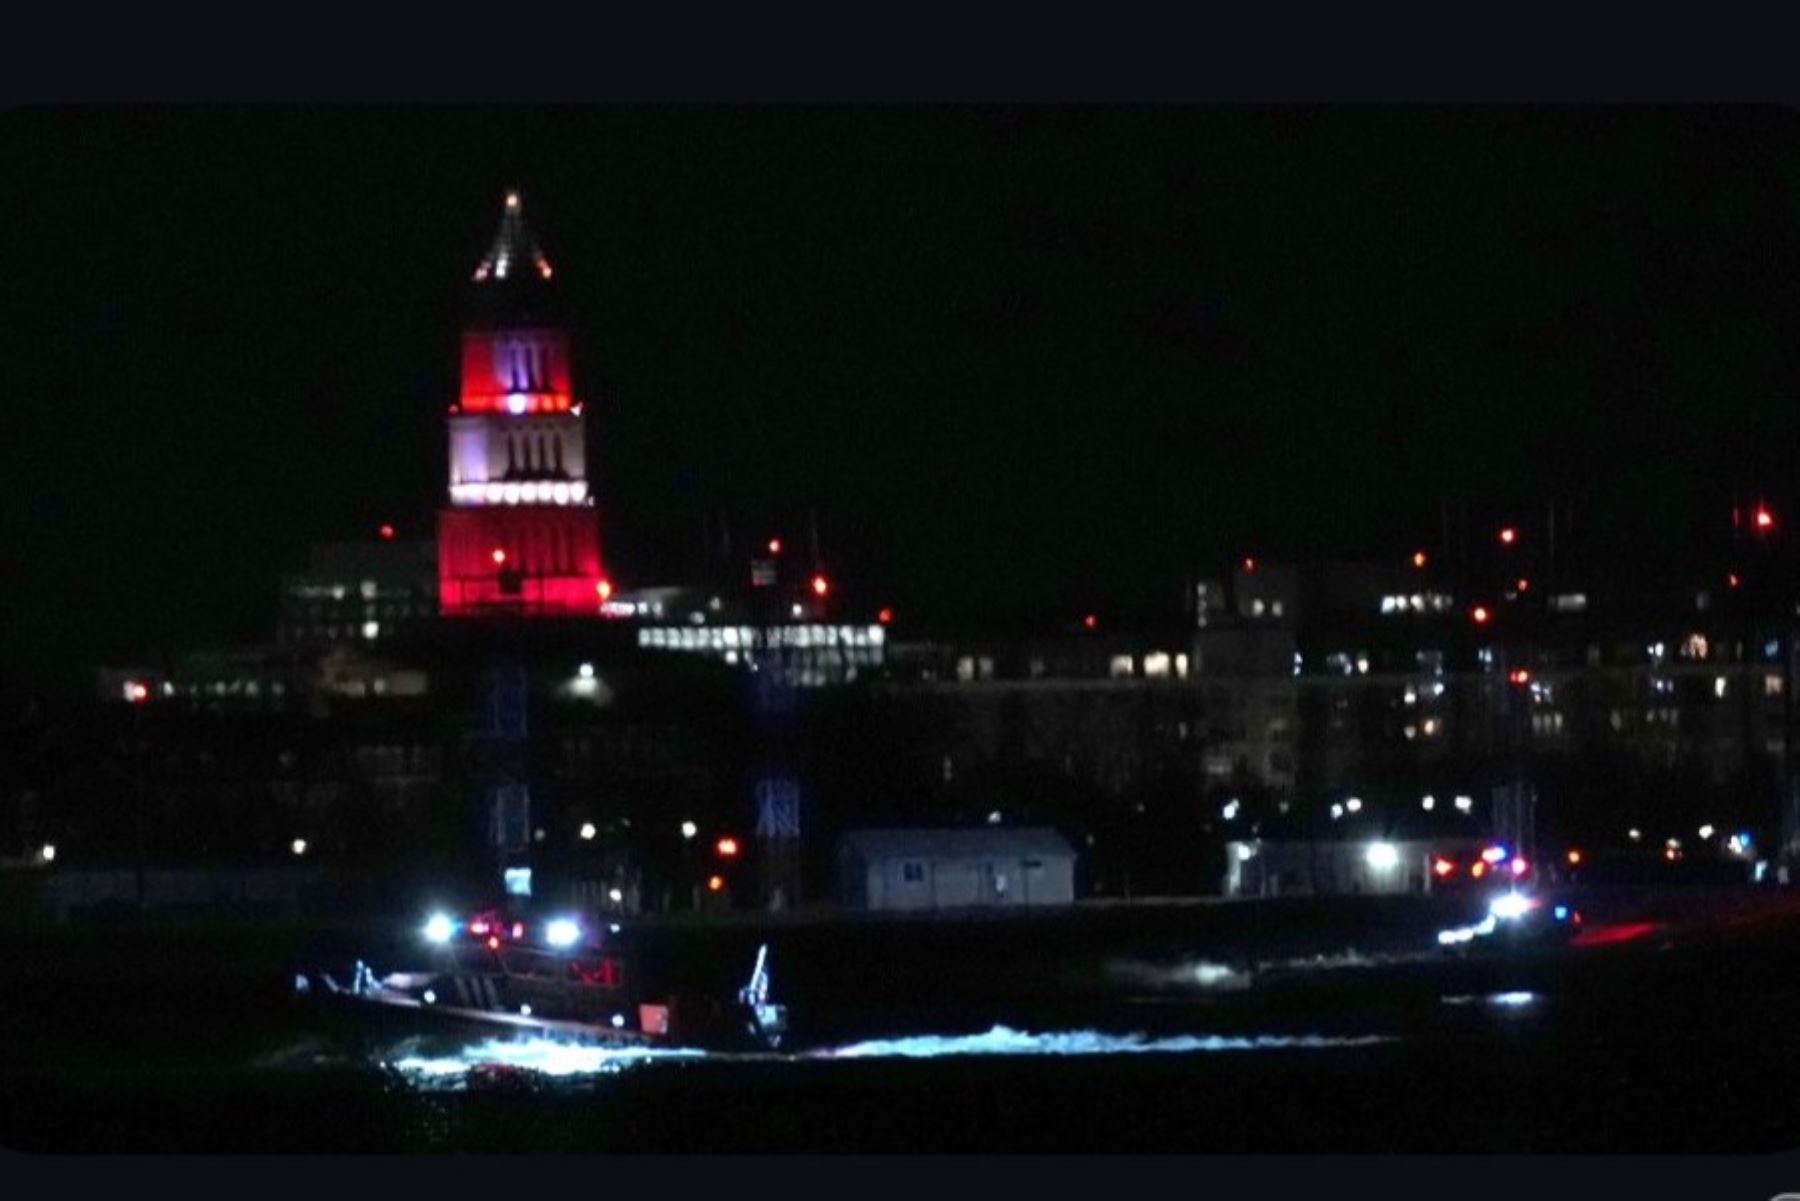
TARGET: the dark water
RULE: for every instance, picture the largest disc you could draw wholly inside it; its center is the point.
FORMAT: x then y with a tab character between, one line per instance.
1146	1032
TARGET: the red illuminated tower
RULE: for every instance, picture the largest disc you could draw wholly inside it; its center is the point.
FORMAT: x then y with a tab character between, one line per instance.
519	534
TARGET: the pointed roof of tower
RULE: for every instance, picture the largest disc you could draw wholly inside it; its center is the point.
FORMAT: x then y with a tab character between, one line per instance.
515	253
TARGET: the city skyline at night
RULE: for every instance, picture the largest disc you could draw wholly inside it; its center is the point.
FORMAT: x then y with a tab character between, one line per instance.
1021	366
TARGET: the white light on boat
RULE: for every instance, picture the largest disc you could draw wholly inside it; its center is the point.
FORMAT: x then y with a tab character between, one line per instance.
689	829
612	927
524	1011
562	933
618	1021
48	852
298	846
1510	907
588	831
586	671
430	997
439	928
1382	856
616	896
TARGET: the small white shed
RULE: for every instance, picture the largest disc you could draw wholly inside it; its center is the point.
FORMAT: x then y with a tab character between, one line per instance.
987	867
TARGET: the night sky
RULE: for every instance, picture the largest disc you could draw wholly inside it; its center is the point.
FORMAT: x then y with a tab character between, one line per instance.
1022	362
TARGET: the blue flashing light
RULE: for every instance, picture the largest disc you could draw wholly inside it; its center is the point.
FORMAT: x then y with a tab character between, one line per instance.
1561	912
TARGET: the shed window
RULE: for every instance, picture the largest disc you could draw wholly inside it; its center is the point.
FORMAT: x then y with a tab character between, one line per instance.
912	872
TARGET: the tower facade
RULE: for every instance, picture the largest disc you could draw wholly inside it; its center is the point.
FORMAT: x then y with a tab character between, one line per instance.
519	533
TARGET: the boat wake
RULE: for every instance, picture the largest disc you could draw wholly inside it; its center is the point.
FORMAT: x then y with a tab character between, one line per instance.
562	1060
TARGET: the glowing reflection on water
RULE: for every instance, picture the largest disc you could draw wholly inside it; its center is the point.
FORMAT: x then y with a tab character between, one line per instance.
551	1058
542	1055
1002	1040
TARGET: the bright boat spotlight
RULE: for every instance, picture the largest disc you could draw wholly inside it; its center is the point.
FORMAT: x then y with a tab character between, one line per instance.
1510	907
1382	856
439	928
562	933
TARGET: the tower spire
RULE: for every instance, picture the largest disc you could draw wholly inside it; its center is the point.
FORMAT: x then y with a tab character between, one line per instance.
515	249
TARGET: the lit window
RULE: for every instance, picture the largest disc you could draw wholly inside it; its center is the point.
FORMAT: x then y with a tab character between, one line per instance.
1121	666
371	629
1772	685
1156	664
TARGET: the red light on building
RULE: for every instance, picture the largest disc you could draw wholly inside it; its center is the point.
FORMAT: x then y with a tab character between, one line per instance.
885	616
1479	615
499	557
1441	867
1519	675
715	883
1522	584
136	691
1419	559
774	546
1089	622
1249	563
1574	858
1765	518
605	589
727	847
1508	535
387	532
1731	581
820	585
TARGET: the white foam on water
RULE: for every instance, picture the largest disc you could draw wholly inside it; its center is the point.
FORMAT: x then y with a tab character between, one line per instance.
1003	1040
555	1059
542	1055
